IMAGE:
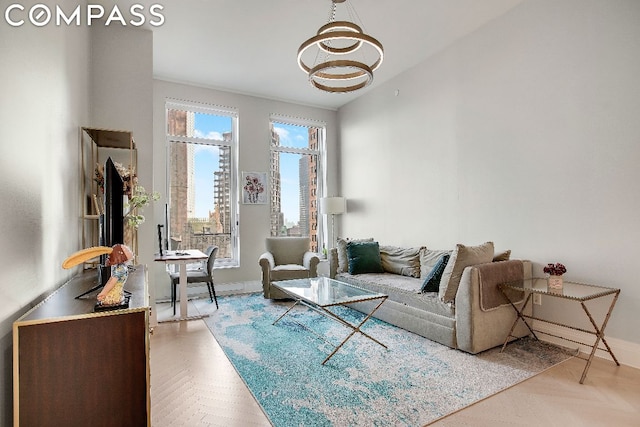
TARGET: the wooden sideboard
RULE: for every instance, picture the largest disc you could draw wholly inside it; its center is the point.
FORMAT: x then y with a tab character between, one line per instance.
76	367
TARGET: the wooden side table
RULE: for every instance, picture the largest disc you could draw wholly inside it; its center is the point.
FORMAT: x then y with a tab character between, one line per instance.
573	291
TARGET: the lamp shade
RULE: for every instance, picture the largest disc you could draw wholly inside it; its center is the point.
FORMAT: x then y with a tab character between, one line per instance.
332	205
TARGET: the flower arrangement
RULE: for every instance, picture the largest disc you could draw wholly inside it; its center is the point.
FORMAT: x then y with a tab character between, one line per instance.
556	269
254	188
138	199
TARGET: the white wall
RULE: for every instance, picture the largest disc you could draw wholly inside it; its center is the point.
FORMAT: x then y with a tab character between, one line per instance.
525	133
122	99
45	99
254	140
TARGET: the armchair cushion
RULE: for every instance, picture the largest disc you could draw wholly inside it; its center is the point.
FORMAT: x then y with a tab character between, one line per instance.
287	250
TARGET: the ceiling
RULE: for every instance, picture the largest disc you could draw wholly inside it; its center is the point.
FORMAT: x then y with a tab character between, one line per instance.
250	46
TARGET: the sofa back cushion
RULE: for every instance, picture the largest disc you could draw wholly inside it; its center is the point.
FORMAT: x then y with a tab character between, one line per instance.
403	261
364	257
428	260
431	283
462	257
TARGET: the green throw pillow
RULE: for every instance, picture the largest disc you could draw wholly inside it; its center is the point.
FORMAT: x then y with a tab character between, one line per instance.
364	257
432	281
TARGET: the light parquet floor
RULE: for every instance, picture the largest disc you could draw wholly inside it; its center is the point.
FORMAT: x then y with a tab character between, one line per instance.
194	384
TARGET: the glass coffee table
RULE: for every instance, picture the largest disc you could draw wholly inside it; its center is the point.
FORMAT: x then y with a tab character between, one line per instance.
320	293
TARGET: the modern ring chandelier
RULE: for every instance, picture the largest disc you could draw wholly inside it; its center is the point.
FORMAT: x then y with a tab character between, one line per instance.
340	58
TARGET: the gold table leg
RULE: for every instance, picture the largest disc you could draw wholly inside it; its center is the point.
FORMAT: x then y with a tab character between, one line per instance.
354	328
519	316
599	336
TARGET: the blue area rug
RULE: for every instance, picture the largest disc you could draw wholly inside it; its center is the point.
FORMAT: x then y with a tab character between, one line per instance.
412	383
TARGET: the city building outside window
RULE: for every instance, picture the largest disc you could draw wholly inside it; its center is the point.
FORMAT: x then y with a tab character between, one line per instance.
202	174
296	178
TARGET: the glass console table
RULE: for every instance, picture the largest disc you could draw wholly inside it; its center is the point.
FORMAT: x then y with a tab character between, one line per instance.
573	291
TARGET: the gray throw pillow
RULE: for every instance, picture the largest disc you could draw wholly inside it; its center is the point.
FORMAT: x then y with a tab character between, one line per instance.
462	257
403	261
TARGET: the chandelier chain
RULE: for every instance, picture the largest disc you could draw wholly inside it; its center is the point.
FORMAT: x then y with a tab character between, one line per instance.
332	13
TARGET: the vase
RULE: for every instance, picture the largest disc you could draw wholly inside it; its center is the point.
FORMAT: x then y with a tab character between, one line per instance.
130	239
554	282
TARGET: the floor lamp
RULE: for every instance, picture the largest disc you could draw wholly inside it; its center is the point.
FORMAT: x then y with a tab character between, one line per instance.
333	206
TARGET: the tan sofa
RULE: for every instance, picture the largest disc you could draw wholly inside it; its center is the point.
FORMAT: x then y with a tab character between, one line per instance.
471	316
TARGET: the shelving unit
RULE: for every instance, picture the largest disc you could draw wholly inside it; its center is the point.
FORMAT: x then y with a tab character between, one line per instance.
96	145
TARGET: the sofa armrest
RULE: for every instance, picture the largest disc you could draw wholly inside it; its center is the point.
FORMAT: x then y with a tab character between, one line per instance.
267	263
478	330
310	261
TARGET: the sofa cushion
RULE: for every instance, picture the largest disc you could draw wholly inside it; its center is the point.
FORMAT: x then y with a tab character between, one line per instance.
462	257
405	291
403	261
429	258
432	281
341	246
288	272
364	257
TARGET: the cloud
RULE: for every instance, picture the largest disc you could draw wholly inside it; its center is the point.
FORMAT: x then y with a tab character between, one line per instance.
204	148
211	135
283	133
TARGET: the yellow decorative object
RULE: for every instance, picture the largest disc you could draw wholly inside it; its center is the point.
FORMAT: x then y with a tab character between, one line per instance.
85	255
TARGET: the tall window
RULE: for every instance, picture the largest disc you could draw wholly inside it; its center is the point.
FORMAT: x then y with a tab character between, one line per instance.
202	174
296	178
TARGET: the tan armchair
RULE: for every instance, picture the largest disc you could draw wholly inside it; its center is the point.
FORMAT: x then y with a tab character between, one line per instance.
286	258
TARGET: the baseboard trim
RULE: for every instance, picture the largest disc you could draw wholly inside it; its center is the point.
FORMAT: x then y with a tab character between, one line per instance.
627	353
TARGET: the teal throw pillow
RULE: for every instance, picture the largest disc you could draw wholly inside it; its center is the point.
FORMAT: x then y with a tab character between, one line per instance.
364	257
432	281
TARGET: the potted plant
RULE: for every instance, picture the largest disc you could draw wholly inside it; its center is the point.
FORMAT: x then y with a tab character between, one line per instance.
555	272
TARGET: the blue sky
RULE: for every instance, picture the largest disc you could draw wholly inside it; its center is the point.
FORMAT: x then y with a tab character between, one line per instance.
206	161
291	136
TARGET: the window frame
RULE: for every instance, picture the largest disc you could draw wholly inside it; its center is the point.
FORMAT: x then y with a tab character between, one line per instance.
320	153
171	104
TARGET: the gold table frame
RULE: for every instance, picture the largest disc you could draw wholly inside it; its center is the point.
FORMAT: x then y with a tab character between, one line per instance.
309	292
573	291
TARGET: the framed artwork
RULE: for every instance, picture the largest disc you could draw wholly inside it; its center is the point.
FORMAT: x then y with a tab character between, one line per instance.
254	188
